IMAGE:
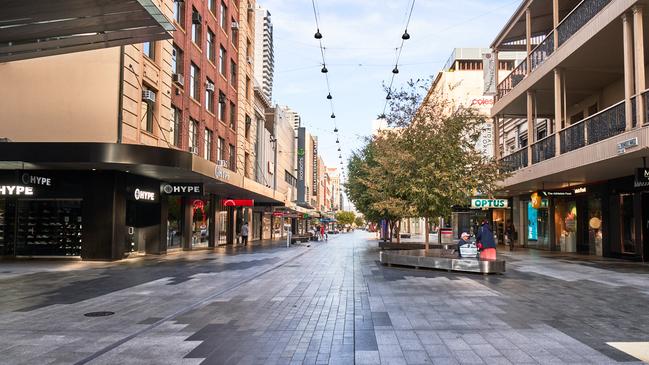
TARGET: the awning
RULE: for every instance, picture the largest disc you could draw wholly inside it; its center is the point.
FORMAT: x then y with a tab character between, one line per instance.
38	28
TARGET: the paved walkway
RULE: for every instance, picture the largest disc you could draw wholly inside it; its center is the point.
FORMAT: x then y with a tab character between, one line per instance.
330	303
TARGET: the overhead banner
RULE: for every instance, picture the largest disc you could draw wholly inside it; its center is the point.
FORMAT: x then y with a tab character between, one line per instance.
301	155
489	70
314	188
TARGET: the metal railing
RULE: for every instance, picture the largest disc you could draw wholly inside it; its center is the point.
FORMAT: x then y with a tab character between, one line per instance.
578	17
513	79
541	52
544	149
606	124
515	161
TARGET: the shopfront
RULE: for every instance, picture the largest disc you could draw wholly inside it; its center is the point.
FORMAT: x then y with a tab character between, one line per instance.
496	212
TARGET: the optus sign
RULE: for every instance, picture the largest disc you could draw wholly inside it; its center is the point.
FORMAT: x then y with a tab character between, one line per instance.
488	203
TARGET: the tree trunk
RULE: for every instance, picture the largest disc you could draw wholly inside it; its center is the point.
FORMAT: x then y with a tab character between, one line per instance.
399	231
391	230
426	240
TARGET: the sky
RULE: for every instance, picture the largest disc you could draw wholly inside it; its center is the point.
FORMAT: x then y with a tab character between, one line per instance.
360	37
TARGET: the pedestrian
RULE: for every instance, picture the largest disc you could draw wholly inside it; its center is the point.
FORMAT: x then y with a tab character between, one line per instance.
464	240
485	242
510	231
323	232
244	234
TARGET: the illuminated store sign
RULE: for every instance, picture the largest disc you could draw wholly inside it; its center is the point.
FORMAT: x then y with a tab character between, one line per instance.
144	195
183	189
488	203
36	180
16	190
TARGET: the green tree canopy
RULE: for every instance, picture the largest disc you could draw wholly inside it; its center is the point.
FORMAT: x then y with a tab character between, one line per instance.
359	221
345	217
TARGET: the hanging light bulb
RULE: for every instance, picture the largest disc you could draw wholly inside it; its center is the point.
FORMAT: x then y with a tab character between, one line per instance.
324	69
405	35
337	141
388	97
335	130
318	35
338	149
333	115
329	97
395	71
340	156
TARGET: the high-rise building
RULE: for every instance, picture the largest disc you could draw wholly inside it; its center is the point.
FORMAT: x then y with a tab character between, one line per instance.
264	54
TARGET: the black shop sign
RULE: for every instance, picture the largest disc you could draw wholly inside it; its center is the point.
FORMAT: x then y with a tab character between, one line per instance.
183	189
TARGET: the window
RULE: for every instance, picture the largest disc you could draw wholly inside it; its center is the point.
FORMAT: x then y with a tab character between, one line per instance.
246	165
179	13
233	115
211	49
211	4
290	179
248	124
148	49
232	161
147	107
220	154
224	16
233	73
221	106
248	50
248	84
209	95
196	27
235	31
222	60
174	128
193	136
177	60
207	146
194	82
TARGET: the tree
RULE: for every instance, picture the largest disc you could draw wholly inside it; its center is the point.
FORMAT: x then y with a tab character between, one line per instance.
345	217
359	221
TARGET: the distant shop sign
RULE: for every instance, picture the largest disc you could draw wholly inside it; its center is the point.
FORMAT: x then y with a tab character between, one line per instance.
642	175
489	203
238	202
183	189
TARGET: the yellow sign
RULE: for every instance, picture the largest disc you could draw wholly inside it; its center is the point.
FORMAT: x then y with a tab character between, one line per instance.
536	200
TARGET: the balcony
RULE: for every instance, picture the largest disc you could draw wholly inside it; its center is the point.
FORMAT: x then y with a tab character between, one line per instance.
543	149
569	26
515	161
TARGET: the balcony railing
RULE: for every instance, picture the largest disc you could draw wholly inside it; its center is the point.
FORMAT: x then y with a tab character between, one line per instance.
515	161
513	79
606	124
578	17
575	20
544	149
542	51
572	137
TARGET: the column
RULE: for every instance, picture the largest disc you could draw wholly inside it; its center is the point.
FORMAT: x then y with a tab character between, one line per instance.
638	47
158	245
496	69
555	22
627	36
186	223
213	219
531	134
558	110
528	38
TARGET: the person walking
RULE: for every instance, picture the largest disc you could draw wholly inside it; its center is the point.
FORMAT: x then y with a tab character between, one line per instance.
485	242
510	231
244	234
323	233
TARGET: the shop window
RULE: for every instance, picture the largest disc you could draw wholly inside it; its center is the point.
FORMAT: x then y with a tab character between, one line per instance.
148	48
627	224
566	224
200	222
595	226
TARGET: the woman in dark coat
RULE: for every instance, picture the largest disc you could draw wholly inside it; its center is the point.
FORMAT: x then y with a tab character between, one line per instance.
485	236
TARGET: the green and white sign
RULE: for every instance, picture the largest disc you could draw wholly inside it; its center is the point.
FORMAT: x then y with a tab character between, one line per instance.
488	203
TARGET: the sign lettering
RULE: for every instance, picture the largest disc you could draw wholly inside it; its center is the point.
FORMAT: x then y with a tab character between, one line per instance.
16	190
488	203
36	180
144	195
183	189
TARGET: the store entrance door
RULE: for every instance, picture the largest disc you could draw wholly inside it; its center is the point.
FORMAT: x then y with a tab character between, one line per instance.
645	227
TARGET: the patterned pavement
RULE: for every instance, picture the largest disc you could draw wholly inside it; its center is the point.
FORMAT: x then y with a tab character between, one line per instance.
330	303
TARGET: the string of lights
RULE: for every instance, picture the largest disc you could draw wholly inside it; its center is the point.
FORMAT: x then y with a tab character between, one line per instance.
318	36
404	37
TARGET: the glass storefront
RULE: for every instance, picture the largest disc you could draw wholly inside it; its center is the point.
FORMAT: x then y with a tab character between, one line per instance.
538	226
223	226
200	222
256	225
174	225
627	224
566	224
595	226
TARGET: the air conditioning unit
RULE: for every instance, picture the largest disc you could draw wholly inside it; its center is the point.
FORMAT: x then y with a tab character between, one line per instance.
222	163
193	150
209	86
249	59
235	25
196	18
178	79
148	96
